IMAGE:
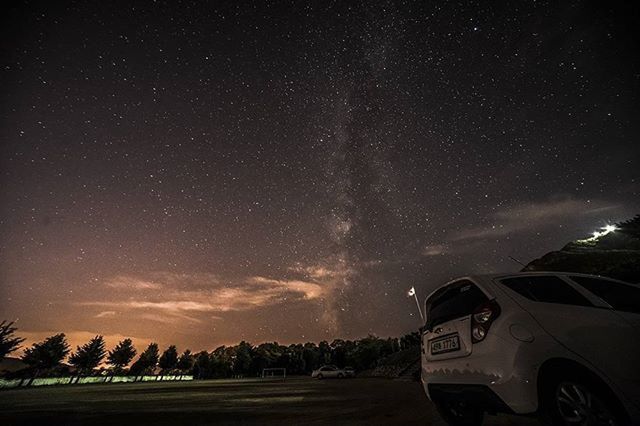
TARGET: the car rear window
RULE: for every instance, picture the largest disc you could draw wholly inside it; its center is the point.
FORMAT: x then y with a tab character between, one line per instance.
547	289
456	300
620	296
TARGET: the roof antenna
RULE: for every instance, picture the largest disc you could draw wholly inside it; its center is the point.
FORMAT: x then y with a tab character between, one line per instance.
517	261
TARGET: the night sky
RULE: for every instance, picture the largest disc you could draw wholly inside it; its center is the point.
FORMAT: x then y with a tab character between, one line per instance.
200	174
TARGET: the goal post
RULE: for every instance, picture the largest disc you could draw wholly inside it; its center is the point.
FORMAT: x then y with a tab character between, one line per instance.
270	373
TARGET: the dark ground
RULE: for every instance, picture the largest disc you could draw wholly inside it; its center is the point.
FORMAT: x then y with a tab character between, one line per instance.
216	402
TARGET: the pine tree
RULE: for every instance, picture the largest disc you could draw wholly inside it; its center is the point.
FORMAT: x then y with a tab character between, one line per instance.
121	355
46	354
168	360
185	362
147	361
88	356
8	342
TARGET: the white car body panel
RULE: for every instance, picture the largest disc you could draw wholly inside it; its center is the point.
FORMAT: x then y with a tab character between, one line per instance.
526	334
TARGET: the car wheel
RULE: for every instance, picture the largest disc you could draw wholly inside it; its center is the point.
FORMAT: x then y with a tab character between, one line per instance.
319	376
340	376
578	402
460	413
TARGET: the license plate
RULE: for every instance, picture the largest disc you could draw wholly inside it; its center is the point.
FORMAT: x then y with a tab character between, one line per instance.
445	344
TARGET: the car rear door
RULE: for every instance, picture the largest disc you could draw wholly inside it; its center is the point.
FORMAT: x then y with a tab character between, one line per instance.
623	298
447	332
593	332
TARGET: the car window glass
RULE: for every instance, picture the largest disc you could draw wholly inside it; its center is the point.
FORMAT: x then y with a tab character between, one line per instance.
454	301
620	296
547	289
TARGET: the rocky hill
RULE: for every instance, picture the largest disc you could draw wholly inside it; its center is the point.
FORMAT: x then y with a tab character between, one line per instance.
612	253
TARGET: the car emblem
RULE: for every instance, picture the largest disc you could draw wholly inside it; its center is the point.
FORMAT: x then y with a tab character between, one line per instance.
438	330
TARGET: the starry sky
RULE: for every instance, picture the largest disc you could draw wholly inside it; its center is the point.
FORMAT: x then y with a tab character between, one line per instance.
199	173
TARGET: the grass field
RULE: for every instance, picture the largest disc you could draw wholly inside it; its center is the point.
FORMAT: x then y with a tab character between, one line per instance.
220	402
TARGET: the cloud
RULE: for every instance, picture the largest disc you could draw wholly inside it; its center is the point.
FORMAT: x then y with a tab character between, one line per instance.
309	290
434	250
168	306
520	217
168	297
158	280
127	282
170	319
191	298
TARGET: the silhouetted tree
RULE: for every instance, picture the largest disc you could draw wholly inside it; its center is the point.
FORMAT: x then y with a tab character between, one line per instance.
410	340
46	354
88	356
339	352
222	361
264	356
147	361
297	363
8	342
185	362
367	352
242	363
324	350
121	355
168	360
202	366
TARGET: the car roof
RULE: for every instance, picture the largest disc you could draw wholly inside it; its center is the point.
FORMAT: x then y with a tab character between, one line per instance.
483	278
543	273
525	273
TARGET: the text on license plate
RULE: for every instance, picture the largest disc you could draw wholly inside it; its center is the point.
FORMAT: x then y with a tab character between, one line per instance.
445	344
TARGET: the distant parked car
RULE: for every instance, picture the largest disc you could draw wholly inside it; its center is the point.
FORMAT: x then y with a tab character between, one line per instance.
331	371
565	346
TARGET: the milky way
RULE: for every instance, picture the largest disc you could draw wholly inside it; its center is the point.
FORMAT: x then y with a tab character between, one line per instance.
205	173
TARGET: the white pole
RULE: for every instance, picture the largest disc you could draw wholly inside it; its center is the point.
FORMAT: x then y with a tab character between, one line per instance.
418	305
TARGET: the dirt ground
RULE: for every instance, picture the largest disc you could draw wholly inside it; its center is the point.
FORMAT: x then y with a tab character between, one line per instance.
222	402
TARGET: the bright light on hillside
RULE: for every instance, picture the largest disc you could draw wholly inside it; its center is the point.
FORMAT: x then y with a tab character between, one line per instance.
603	231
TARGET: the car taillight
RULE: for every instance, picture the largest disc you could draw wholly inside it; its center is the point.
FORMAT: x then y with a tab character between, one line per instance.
482	318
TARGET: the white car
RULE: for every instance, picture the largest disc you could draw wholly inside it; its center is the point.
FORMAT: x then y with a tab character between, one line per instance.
331	371
563	346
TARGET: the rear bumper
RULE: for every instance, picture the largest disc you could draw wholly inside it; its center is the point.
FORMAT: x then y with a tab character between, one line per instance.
476	395
500	376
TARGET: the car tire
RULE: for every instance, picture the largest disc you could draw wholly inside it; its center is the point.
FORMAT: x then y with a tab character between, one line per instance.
460	413
340	376
319	376
574	399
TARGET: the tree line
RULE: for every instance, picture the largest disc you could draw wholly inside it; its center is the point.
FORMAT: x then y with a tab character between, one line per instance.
45	358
